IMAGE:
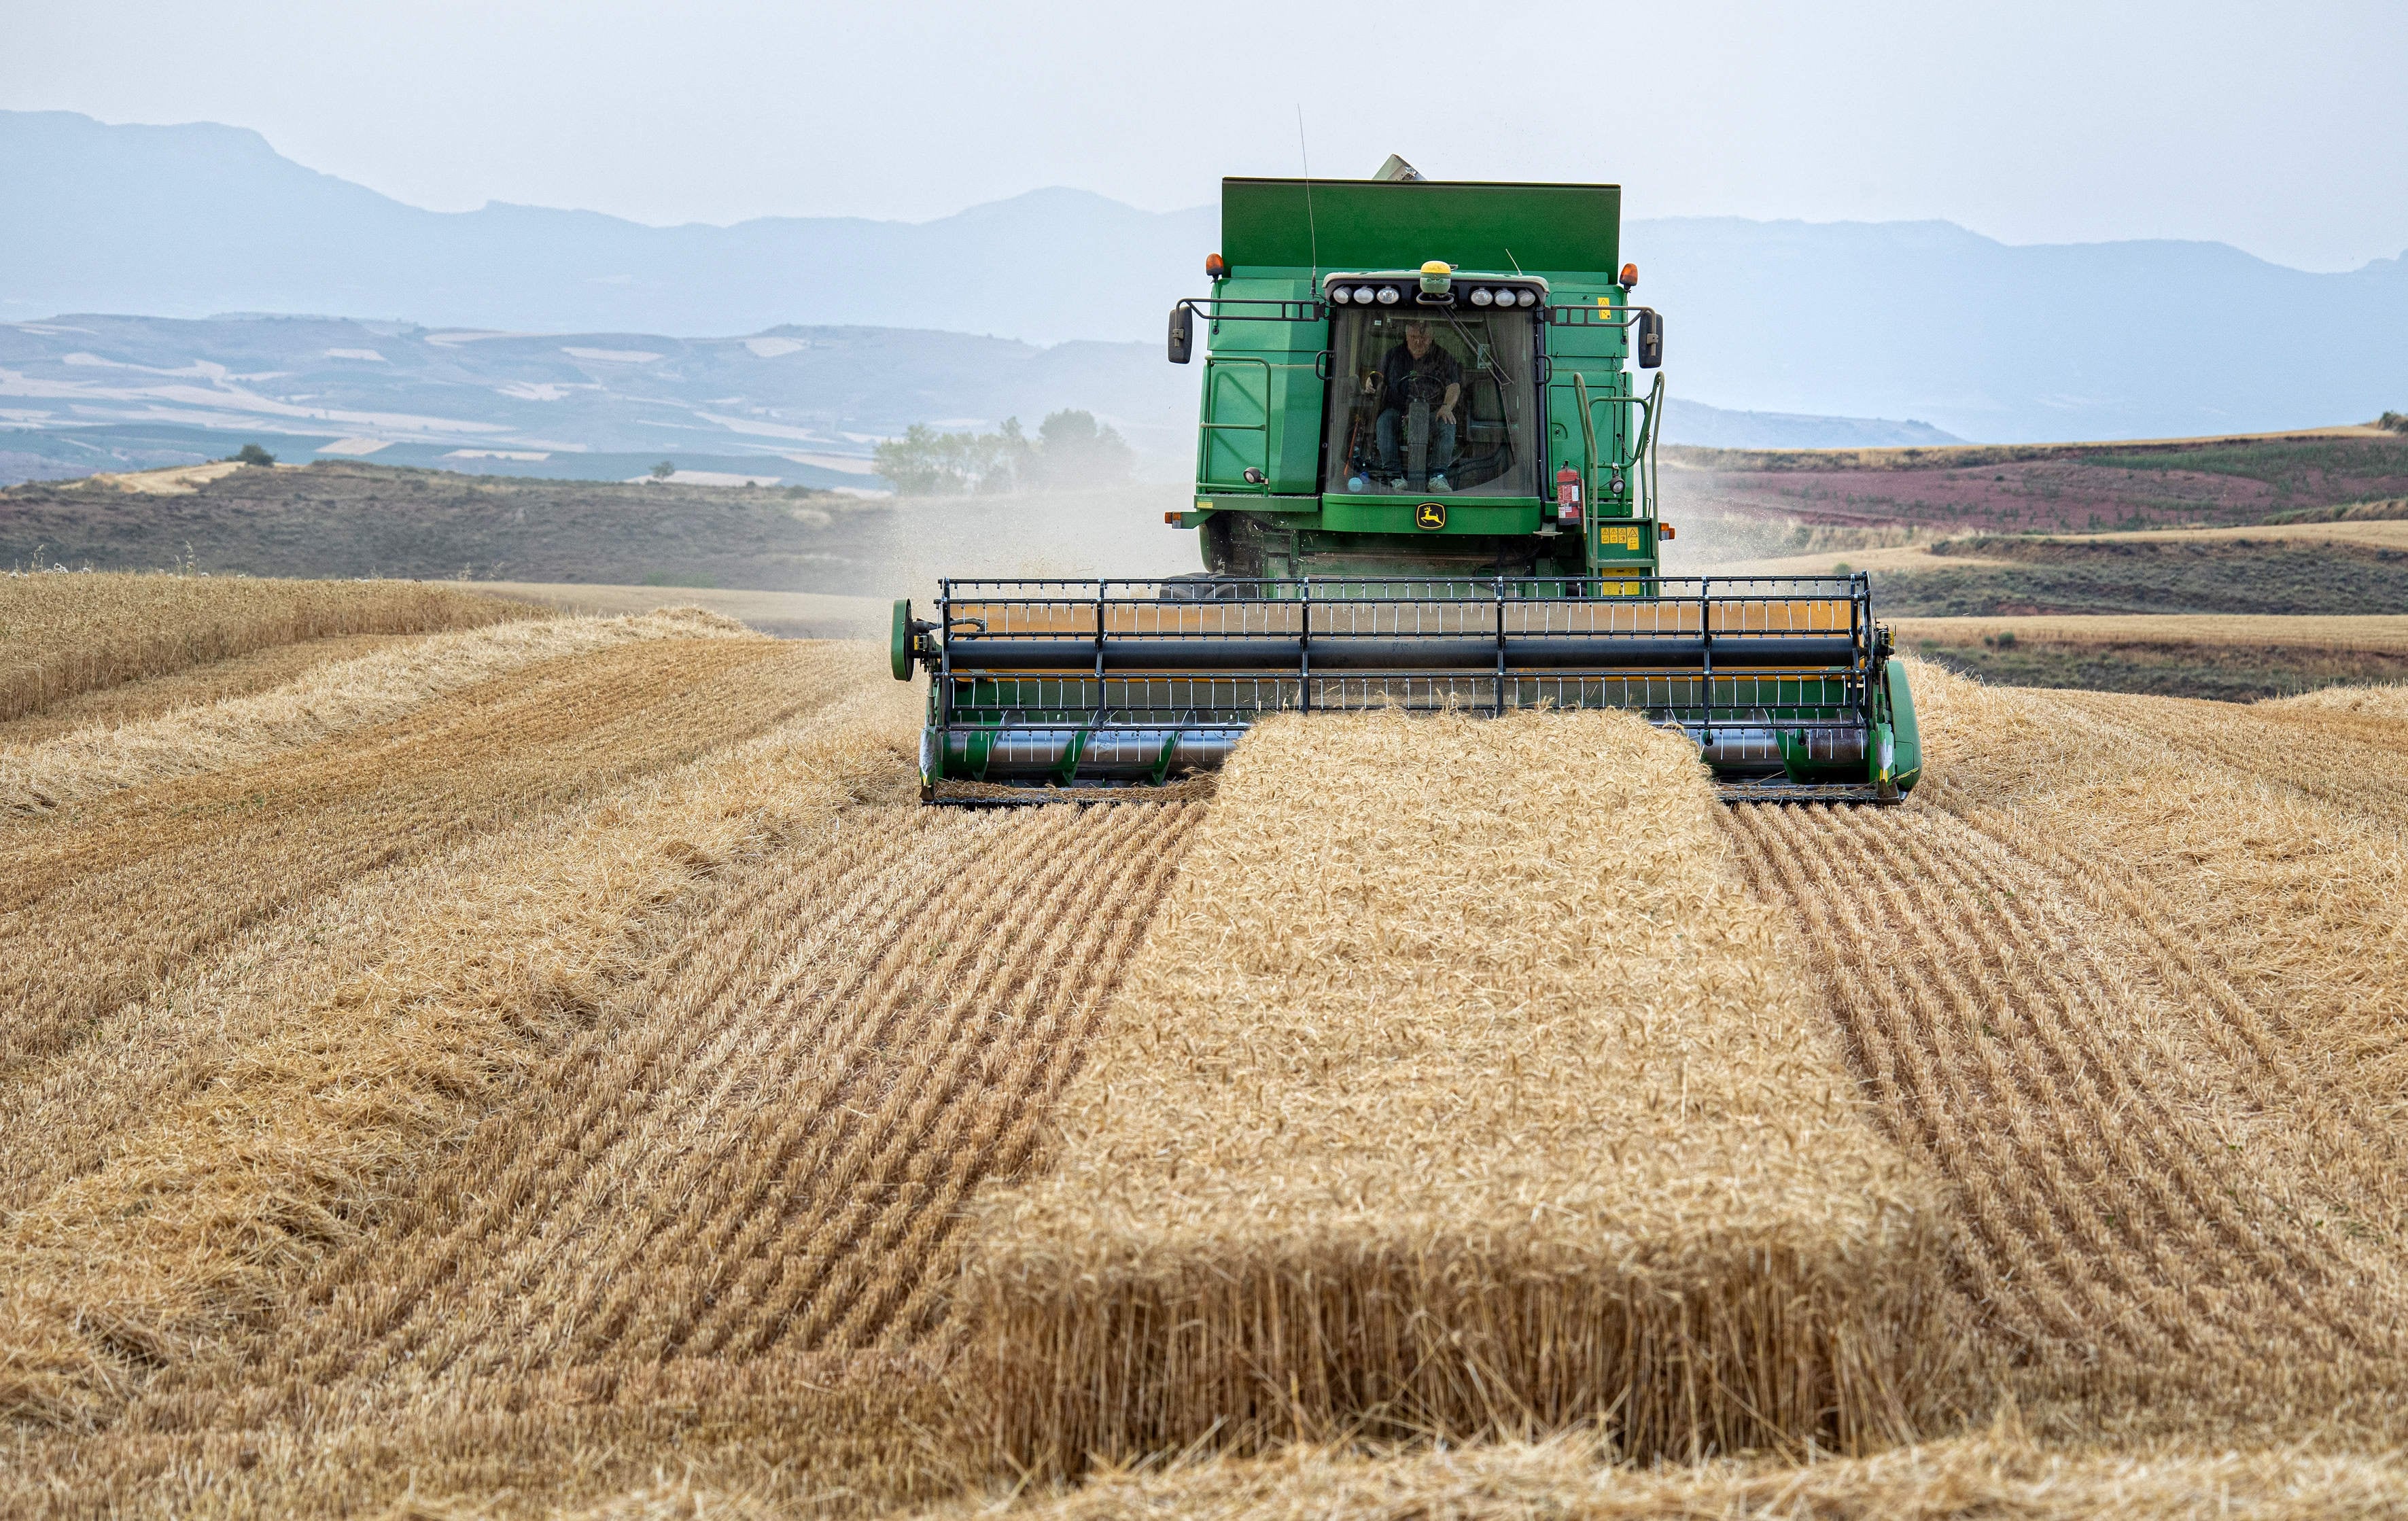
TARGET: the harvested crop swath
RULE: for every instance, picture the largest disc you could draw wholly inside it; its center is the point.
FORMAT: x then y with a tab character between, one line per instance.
97	903
1426	1111
371	688
64	634
2100	986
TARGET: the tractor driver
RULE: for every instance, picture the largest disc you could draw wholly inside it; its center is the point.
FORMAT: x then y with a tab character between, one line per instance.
1418	369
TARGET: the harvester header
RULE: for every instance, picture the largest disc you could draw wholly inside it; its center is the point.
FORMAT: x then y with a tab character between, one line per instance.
1425	478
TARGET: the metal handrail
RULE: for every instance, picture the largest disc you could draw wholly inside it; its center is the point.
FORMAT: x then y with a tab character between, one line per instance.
1206	427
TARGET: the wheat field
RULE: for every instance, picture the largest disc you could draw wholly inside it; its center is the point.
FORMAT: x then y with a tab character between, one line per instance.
558	1068
62	634
1420	1114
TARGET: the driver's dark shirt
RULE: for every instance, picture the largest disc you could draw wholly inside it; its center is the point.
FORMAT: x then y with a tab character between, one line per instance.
1436	369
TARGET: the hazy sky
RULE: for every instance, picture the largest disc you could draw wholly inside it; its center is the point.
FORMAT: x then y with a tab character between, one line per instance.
2278	128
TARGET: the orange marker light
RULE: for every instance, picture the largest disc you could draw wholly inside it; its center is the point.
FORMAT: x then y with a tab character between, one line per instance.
1630	276
1215	266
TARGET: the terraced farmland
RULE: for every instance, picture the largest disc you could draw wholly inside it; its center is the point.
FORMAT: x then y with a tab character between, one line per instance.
556	1065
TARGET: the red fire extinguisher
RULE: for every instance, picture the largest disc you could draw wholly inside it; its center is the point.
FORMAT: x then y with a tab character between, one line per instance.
1568	500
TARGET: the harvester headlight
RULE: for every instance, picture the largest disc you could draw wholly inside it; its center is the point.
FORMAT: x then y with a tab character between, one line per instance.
1387	295
1481	297
1525	298
1362	295
1340	295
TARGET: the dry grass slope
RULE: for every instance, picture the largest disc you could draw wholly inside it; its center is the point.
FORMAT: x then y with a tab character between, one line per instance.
61	633
1424	1113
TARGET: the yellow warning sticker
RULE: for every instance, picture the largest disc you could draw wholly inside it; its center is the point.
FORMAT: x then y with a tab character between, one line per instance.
1618	539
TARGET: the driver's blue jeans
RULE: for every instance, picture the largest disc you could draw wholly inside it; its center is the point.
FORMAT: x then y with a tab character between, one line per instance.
1442	449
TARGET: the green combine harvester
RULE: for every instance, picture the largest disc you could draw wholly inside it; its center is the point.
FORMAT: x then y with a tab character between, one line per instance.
1424	479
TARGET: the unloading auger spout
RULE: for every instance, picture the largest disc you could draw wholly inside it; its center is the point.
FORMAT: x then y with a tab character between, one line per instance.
1424	479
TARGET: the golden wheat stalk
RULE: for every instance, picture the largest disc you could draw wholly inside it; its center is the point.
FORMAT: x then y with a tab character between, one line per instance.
1457	1090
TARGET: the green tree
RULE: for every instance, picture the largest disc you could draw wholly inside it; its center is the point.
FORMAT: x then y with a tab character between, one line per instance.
664	469
927	462
1070	449
254	454
2396	422
1075	451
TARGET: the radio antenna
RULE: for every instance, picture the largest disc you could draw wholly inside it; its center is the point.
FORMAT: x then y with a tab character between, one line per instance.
1310	231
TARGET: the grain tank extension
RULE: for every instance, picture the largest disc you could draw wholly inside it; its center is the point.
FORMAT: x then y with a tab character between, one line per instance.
1425	478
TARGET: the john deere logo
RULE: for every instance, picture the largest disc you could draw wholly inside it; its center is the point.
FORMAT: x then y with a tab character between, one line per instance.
1430	515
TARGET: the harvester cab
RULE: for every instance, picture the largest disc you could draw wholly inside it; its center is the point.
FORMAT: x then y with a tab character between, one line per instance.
1426	478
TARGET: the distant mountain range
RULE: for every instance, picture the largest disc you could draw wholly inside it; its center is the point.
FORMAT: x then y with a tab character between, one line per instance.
805	404
1767	319
801	406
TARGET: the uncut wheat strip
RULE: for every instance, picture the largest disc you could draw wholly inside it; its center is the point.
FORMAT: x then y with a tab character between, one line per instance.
549	1281
71	634
596	880
1009	1132
2385	701
1495	878
898	1246
178	885
330	700
1863	991
2148	1146
930	1014
2057	1292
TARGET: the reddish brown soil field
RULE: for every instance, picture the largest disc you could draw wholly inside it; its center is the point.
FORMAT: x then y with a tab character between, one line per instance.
2045	488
